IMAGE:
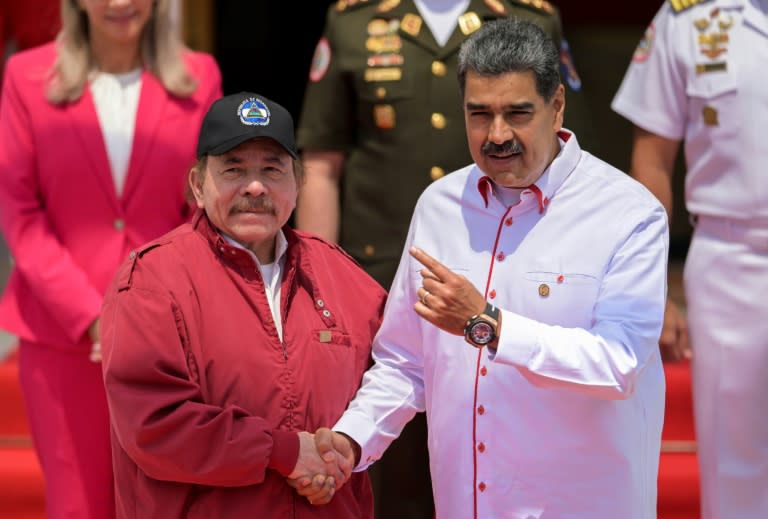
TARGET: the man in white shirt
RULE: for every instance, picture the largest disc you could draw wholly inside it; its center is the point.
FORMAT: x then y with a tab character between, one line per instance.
698	77
525	314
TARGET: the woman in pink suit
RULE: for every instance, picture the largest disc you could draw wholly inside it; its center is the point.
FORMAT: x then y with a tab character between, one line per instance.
97	134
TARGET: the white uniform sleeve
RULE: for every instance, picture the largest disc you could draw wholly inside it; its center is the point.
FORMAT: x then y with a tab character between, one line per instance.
652	94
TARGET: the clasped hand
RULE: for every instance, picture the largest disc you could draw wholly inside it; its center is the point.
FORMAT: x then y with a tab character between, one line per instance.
325	464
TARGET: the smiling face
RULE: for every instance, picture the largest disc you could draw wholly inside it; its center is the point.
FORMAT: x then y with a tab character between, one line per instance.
248	193
511	129
114	22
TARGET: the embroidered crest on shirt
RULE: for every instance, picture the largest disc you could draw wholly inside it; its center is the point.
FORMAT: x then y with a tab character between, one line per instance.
644	47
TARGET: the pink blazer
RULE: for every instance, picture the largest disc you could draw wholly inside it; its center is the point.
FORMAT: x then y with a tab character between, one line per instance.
64	223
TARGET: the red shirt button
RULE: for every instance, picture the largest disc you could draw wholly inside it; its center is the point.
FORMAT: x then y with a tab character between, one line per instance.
481	447
508	222
483	371
500	256
480	410
492	295
481	486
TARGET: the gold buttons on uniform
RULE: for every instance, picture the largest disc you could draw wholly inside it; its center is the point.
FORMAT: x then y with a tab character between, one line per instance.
438	68
119	224
381	92
436	172
369	251
544	290
438	120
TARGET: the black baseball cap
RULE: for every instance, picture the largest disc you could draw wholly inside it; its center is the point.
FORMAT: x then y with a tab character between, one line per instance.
234	119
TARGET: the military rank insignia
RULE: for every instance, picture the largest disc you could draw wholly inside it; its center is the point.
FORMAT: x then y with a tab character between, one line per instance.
712	40
469	22
411	24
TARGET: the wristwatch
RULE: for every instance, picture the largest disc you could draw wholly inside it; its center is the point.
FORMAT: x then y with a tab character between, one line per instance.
481	329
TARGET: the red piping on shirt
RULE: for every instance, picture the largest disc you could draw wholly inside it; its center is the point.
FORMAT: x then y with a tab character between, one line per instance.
480	354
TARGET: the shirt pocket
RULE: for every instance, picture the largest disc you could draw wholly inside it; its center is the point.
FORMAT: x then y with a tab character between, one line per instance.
562	298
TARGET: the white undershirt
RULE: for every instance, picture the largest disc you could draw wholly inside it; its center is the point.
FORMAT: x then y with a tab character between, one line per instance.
441	16
116	97
271	273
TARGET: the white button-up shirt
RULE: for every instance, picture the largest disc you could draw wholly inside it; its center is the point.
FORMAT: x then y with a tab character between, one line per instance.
565	419
699	75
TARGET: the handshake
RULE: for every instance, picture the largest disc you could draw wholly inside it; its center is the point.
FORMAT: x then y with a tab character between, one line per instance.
325	464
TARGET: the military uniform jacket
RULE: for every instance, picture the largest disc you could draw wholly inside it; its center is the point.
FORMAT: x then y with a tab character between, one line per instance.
385	93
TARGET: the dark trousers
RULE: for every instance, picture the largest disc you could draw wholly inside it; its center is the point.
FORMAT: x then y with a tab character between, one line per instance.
402	488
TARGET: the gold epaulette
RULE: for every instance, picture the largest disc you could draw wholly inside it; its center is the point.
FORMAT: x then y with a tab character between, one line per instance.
678	6
343	5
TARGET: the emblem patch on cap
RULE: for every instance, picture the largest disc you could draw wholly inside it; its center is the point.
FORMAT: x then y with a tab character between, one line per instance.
253	112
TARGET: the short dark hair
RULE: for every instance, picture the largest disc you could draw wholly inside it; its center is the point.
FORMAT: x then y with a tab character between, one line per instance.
511	45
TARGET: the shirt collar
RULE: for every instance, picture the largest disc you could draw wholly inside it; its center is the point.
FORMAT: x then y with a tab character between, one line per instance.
281	246
553	177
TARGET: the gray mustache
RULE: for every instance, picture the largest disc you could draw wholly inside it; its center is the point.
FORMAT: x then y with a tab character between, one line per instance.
254	204
491	148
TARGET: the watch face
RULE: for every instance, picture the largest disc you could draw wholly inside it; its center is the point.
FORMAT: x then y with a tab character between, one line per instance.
481	333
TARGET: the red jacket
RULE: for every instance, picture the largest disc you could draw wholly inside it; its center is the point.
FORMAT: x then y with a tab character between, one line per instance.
205	399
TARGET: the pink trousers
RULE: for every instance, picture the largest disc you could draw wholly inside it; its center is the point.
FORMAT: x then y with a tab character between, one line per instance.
67	408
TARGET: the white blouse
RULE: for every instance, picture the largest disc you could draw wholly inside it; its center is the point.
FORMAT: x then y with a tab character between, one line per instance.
116	97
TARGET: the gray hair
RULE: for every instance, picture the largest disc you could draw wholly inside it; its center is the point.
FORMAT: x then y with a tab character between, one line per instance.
161	52
511	45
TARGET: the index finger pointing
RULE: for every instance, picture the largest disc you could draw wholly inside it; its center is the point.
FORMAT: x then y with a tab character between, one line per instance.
437	268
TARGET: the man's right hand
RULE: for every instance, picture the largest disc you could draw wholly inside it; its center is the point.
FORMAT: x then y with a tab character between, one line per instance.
674	342
338	453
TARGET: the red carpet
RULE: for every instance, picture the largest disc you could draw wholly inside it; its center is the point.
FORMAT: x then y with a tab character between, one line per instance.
21	481
678	471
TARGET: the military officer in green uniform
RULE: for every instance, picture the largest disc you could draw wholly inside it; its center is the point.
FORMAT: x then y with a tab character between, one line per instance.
382	118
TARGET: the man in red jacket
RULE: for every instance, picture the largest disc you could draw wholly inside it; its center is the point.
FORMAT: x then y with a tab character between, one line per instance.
225	338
